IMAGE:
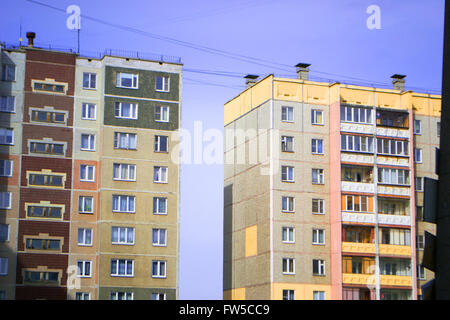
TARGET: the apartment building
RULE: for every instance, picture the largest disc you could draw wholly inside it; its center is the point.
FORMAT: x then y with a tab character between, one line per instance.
90	193
322	195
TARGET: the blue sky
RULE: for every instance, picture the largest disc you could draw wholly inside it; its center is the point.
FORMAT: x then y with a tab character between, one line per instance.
332	35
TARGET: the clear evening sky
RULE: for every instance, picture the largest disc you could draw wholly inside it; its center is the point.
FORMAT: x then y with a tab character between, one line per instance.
273	35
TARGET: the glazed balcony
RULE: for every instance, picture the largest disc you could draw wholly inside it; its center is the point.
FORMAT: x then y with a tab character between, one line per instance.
370	280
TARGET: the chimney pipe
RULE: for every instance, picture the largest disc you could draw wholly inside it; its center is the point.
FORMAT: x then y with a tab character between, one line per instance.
31	36
303	71
398	80
250	80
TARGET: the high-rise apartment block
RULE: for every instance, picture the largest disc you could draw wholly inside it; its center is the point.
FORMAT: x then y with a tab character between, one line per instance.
323	189
89	185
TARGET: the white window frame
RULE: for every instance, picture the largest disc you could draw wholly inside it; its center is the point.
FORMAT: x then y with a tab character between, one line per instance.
126	230
421	273
117	140
157	147
5	73
159	232
317	236
290	262
350	143
8	231
118	167
118	110
90	76
288	173
91	142
134	77
321	266
119	201
84	242
165	84
83	273
320	175
157	207
289	293
420	242
319	295
86	109
5	196
82	201
352	209
158	295
163	110
162	173
287	141
89	173
286	111
115	273
82	296
159	263
320	205
314	116
114	295
290	204
315	143
418	155
5	102
288	234
418	183
387	176
417	126
3	168
4	134
367	114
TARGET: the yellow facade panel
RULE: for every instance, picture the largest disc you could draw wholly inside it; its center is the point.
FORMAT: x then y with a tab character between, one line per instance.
251	241
302	291
234	294
354	96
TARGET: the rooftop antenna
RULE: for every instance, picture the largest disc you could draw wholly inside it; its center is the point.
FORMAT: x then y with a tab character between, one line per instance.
20	32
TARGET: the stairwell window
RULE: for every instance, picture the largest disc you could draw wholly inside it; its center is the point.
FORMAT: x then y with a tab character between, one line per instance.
417	155
417	127
127	80
162	84
316	116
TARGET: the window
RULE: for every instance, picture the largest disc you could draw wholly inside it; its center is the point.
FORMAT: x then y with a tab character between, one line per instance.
162	113
49	87
356	114
159	205
316	116
318	267
392	147
82	296
46	180
126	110
395	267
88	142
288	295
158	269
122	268
287	235
89	80
127	80
8	104
42	277
317	176
87	173
158	296
417	155
8	72
37	211
88	111
48	148
84	237
318	236
419	213
84	268
287	144
123	171
420	242
356	143
43	244
125	140
3	266
48	116
319	295
287	174
159	237
6	136
6	168
356	203
287	204
4	232
124	204
85	204
438	128
393	236
160	174
393	176
5	200
162	84
122	235
317	146
288	266
318	206
419	183
395	207
420	272
161	144
287	114
2	295
115	295
417	127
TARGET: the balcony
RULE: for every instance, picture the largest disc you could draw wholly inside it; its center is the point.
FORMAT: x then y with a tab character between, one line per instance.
392	132
393	161
370	280
394	190
357	128
391	219
395	250
348	186
358	217
358	247
357	158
